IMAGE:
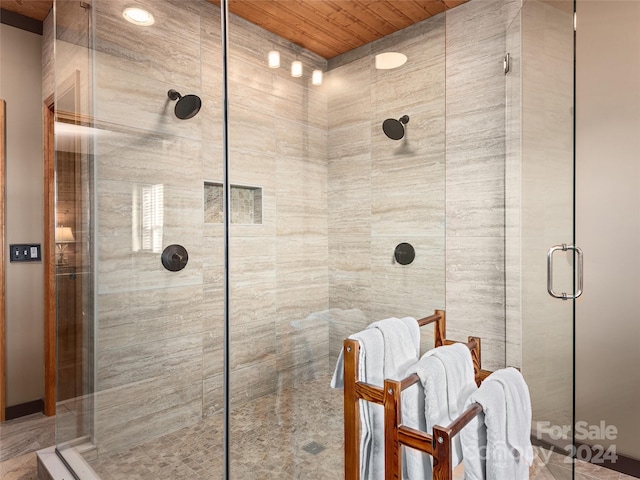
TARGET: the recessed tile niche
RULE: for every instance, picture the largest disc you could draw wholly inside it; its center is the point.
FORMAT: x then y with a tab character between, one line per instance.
246	204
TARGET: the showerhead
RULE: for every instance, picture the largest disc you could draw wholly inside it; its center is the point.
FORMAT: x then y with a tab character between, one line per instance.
187	107
394	129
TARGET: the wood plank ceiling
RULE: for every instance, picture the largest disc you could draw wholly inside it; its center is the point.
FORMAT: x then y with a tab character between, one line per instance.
325	27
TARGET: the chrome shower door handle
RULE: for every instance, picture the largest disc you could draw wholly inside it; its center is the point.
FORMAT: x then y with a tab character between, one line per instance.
564	247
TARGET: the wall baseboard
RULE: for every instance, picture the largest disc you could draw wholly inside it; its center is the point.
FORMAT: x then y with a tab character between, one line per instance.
622	464
24	409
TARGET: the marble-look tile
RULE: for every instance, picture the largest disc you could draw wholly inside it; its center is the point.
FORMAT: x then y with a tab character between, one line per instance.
252	130
303	346
342	323
133	414
139	102
174	357
348	105
121	251
253	343
475	21
348	141
152	159
480	315
134	317
305	179
144	51
349	271
23	467
349	195
475	261
298	414
407	290
296	100
253	381
301	140
23	435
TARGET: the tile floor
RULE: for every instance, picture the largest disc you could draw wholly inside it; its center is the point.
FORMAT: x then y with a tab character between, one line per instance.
296	434
19	440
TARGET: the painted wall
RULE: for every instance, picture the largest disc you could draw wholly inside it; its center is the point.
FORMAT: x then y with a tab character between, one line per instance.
20	86
544	216
607	220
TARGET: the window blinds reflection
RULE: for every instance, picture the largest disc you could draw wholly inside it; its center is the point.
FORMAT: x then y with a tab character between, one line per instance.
147	218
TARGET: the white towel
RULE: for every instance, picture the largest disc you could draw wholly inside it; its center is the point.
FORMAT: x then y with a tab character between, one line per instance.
411	334
497	443
416	465
370	370
401	347
446	374
387	349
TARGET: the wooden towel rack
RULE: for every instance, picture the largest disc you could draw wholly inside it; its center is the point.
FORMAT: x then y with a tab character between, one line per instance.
438	444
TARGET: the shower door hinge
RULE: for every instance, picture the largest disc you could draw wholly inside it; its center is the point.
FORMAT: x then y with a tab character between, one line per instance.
506	63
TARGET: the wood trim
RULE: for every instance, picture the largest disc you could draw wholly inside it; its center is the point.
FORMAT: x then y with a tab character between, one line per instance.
3	373
49	255
351	411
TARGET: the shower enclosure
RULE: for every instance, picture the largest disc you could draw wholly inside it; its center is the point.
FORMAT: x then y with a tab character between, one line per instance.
289	201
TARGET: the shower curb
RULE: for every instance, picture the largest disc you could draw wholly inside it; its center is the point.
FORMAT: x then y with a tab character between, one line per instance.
51	467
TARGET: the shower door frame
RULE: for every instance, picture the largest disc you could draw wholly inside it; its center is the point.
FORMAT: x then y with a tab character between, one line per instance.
544	223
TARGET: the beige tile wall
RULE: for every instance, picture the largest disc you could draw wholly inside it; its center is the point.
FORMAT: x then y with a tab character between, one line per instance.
441	188
338	196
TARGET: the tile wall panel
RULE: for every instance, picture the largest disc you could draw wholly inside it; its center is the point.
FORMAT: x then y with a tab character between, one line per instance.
338	196
475	150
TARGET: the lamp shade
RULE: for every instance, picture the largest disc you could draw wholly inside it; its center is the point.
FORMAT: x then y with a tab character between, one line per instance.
64	235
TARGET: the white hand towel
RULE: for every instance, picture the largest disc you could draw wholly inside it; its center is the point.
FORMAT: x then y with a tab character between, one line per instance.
414	332
446	374
400	349
416	465
370	370
497	443
387	353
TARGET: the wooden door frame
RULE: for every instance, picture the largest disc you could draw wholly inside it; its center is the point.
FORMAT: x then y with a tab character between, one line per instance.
48	251
3	373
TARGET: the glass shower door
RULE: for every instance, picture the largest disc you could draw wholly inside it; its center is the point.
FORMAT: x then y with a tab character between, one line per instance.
540	224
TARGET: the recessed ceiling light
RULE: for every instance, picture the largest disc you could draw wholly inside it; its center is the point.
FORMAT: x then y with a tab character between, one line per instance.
389	60
138	16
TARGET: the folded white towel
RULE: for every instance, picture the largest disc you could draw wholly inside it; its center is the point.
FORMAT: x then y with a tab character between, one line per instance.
497	443
446	374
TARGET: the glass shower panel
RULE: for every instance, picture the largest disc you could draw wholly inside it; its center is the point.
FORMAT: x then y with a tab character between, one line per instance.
70	78
540	198
336	196
154	342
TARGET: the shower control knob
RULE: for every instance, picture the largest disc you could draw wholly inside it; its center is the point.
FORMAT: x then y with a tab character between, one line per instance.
175	258
404	253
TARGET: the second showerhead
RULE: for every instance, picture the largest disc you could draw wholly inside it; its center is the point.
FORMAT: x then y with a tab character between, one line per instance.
394	129
187	107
